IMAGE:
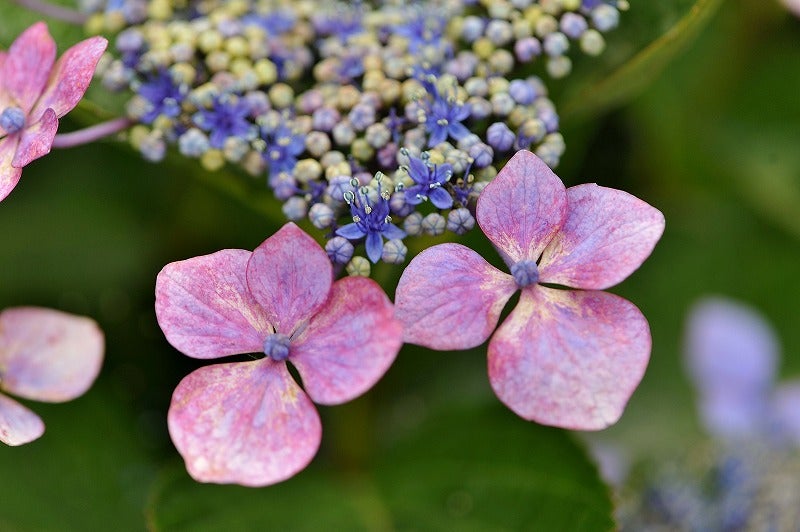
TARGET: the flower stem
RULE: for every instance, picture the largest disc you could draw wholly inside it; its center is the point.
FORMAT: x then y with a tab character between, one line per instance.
54	11
90	134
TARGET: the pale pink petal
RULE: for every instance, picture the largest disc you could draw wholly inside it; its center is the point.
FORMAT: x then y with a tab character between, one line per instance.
245	423
71	77
18	425
449	297
48	355
568	358
349	344
27	66
291	276
608	233
205	309
36	139
523	207
9	176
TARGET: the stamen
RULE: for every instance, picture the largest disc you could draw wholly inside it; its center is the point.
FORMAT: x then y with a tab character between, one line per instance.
276	346
525	273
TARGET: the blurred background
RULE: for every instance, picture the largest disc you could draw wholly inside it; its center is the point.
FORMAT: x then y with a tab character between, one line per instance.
713	140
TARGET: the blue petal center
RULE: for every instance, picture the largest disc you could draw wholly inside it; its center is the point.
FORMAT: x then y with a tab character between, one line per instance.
12	119
525	273
276	346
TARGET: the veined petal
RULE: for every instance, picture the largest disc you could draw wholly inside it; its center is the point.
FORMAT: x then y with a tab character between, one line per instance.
9	176
440	198
18	425
36	139
523	207
48	355
350	231
349	344
449	297
569	358
245	423
290	275
27	66
374	247
205	309
607	235
71	77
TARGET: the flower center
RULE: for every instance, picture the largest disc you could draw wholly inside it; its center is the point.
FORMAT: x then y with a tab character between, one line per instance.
12	119
525	273
276	346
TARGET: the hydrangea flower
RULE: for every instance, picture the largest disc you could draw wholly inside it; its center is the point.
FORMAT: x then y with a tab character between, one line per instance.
569	358
35	91
732	356
249	422
45	355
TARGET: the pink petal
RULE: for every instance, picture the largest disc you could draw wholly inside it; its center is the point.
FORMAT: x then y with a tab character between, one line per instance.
205	309
449	297
246	423
18	425
48	355
27	66
523	207
291	276
607	235
36	139
9	176
71	77
569	358
349	344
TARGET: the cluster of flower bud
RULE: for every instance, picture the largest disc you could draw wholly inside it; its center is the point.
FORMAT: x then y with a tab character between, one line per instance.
314	95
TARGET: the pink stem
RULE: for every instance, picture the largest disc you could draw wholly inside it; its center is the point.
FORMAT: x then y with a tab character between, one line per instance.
54	11
90	134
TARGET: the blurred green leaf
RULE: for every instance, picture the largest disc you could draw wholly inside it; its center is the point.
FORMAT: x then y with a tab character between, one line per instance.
16	18
650	35
466	469
88	472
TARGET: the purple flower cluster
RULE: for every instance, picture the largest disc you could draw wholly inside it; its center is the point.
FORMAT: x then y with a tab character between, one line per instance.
315	95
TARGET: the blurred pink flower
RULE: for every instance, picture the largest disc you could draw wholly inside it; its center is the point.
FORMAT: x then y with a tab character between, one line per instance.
45	355
570	358
35	91
249	422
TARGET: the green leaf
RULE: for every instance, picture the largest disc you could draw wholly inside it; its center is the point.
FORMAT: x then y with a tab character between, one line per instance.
465	469
16	19
87	472
650	35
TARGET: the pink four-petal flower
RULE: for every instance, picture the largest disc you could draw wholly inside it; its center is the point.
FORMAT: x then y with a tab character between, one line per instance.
249	422
35	91
569	358
45	355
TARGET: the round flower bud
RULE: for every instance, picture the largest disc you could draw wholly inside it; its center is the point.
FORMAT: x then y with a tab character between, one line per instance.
413	223
459	221
433	224
295	208
339	249
394	252
358	266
